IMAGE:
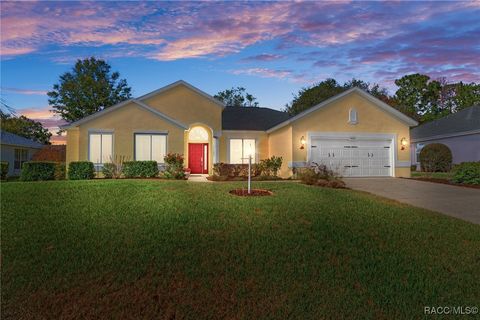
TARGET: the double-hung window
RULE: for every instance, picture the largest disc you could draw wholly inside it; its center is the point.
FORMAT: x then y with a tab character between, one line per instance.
21	156
241	149
150	146
100	148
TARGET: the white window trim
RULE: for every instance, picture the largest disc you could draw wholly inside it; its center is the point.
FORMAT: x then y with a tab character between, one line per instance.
101	133
256	149
150	133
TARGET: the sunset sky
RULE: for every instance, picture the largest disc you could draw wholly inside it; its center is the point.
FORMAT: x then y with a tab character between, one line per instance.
271	48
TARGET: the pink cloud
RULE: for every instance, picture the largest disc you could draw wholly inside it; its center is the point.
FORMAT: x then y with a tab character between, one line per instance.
265	73
24	91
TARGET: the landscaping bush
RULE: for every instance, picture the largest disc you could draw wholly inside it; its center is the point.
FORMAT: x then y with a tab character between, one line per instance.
3	170
81	170
60	171
320	175
236	170
38	171
467	172
436	157
109	169
114	168
174	166
140	169
270	166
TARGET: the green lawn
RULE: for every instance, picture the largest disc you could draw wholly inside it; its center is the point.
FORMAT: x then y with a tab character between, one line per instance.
434	175
175	250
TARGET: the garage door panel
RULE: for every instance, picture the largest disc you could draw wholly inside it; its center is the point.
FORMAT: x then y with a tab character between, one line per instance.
358	158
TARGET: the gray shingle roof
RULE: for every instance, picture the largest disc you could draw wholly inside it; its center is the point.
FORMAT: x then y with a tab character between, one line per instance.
251	118
15	140
462	121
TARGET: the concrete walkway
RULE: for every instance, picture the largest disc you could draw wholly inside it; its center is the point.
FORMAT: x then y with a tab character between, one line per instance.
459	202
198	178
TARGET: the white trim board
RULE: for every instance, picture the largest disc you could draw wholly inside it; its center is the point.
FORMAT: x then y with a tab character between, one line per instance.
397	114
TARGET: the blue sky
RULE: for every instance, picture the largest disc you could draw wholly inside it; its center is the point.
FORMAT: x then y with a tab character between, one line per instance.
271	48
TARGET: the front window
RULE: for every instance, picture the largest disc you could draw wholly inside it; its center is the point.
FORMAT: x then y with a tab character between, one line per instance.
241	149
100	148
150	147
21	156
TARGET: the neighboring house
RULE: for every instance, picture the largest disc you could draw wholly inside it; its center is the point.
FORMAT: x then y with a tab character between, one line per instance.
16	150
353	132
459	131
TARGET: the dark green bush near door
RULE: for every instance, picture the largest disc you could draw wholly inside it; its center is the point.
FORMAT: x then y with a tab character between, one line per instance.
467	172
3	170
436	157
140	169
81	170
37	171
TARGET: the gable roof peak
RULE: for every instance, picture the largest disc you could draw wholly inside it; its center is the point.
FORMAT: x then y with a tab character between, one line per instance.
394	112
185	84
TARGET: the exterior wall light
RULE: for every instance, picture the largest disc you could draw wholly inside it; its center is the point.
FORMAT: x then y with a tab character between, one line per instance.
403	142
302	142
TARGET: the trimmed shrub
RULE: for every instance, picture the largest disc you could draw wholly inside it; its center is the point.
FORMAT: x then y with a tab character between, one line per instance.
174	166
38	171
81	170
109	170
3	170
140	169
60	171
436	157
467	172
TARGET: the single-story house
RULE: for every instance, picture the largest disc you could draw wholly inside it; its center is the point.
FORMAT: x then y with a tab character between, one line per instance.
16	150
353	133
459	131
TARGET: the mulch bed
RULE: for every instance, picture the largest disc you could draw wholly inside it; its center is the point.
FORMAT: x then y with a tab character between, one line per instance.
253	192
445	181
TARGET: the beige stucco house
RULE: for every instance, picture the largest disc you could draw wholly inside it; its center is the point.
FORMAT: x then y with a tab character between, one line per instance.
353	133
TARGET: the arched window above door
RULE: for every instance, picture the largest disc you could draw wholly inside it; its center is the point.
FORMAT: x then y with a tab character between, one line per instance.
198	134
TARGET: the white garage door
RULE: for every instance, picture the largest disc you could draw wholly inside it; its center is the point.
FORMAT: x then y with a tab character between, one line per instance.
354	158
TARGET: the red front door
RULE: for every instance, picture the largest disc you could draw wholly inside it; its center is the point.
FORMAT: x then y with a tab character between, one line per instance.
198	157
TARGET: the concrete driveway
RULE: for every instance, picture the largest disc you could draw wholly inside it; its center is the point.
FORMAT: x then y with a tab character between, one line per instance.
459	202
